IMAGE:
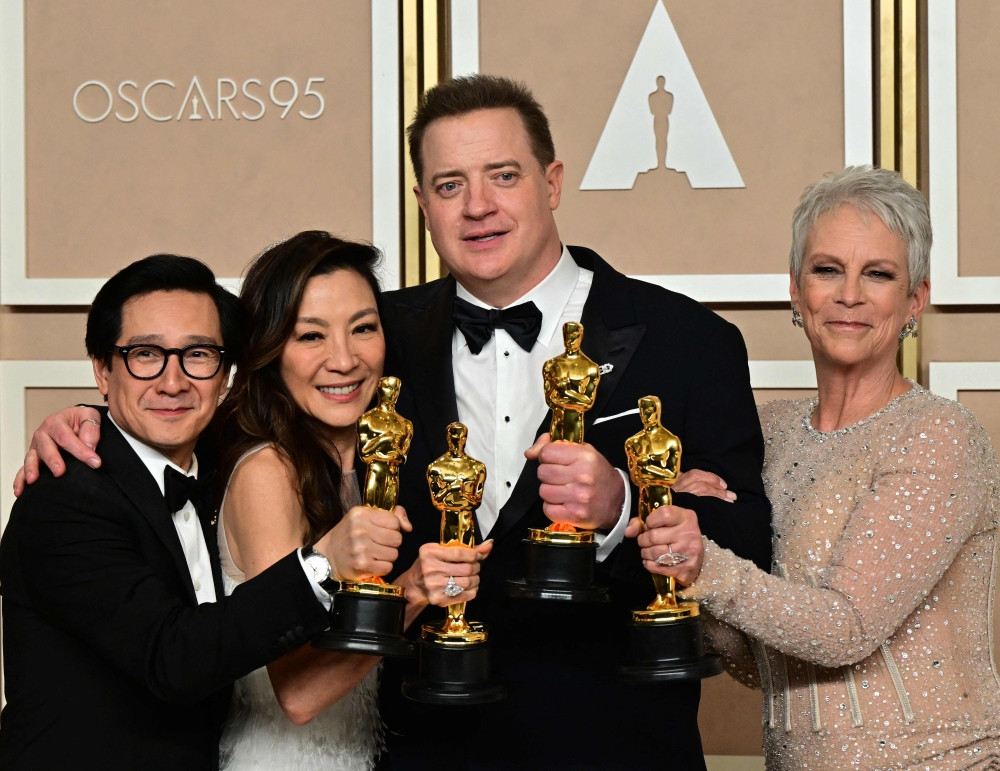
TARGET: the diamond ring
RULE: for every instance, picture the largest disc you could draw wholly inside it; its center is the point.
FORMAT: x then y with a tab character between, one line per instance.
671	559
453	590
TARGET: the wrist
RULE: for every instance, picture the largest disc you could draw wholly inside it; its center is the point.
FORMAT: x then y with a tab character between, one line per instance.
321	567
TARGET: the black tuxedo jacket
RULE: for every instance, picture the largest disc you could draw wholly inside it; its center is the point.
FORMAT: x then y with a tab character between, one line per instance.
566	709
110	663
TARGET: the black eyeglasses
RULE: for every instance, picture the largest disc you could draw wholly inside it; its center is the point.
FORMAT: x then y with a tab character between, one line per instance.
147	362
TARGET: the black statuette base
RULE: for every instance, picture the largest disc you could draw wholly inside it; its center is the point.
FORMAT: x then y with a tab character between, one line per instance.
366	623
454	675
669	651
557	571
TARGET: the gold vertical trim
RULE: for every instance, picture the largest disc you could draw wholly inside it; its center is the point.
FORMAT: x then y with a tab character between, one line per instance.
909	152
887	84
430	45
411	92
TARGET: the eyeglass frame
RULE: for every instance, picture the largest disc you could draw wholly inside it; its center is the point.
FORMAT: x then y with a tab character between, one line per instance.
124	350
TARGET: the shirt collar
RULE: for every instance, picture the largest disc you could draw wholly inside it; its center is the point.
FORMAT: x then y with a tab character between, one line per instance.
154	460
551	296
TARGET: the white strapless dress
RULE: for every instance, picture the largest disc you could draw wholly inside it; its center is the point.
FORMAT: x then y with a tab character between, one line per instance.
259	737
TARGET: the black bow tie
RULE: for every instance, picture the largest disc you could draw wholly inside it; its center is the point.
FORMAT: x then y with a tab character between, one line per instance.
179	488
522	322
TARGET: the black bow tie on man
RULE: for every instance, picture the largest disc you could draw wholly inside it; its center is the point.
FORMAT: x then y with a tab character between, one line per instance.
180	488
522	322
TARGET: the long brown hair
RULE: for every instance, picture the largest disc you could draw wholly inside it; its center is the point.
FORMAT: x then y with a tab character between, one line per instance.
259	407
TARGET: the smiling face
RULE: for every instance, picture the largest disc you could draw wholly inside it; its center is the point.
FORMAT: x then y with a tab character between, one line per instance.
333	360
853	291
170	412
488	204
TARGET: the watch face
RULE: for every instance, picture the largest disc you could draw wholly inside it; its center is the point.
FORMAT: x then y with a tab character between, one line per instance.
320	567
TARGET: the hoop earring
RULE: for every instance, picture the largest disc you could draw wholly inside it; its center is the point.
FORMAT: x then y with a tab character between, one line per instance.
910	330
797	317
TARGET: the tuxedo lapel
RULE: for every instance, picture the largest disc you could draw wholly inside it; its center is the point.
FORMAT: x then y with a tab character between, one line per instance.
611	335
121	463
424	339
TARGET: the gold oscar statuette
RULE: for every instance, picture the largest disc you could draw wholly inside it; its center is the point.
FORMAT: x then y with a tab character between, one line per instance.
654	463
368	615
454	654
559	561
570	382
384	438
456	483
667	642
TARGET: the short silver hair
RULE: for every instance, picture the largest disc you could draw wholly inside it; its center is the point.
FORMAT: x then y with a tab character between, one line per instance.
900	206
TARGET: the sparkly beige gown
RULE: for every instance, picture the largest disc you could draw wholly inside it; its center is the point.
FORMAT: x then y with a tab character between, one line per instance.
872	636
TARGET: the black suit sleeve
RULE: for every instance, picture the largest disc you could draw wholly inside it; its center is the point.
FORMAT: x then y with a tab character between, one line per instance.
722	435
82	568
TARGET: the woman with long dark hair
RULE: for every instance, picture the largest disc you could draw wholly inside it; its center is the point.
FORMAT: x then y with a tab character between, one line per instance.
314	355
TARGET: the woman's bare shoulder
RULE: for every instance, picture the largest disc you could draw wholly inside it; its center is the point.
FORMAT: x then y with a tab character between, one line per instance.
263	481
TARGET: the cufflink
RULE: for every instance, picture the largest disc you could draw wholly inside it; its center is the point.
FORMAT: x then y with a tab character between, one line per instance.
606	368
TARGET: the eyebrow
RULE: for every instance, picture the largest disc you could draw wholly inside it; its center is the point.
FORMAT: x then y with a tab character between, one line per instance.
488	167
314	320
159	339
361	314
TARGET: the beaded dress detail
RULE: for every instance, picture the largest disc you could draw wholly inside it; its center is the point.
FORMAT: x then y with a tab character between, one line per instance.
872	636
258	736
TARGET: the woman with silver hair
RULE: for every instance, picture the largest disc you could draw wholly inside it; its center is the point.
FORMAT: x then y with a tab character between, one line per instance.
871	637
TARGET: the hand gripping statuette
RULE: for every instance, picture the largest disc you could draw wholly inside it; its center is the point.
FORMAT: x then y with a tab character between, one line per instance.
368	614
666	636
454	652
559	559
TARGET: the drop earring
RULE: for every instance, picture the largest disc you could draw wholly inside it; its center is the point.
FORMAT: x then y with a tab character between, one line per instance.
797	317
910	330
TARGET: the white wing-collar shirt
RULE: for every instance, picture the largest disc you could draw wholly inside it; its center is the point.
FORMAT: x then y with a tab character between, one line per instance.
499	391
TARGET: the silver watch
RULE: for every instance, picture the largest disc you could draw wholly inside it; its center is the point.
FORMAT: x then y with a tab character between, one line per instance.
321	569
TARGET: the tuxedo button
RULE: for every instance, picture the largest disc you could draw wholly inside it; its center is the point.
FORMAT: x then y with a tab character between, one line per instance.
187	515
300	632
197	586
282	642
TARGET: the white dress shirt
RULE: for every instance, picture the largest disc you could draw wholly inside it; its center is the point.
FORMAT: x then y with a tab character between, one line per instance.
186	521
499	390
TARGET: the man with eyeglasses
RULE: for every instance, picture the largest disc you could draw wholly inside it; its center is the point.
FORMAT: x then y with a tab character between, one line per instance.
120	648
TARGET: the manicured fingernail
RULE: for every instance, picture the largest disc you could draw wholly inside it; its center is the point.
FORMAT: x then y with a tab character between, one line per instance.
488	540
89	445
93	463
731	496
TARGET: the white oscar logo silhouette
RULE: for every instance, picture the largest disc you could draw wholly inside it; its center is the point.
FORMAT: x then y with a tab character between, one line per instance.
661	93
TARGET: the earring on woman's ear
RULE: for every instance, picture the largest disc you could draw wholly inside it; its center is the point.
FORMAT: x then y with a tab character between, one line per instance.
910	330
796	317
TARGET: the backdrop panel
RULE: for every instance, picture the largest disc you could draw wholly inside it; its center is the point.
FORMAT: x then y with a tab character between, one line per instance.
203	129
689	130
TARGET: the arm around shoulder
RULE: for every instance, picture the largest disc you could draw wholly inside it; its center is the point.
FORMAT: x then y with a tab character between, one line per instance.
79	544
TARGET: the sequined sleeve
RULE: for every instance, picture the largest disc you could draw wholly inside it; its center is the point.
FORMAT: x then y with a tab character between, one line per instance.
735	649
931	488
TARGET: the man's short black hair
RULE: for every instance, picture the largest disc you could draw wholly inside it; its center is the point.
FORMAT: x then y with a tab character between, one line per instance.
159	273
